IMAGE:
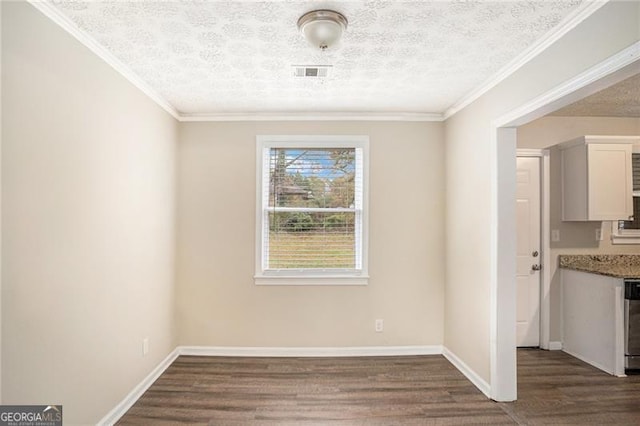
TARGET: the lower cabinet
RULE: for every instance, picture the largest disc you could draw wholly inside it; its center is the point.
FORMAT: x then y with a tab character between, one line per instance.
593	319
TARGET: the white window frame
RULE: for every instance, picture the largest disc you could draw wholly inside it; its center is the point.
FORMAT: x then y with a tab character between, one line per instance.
311	276
626	236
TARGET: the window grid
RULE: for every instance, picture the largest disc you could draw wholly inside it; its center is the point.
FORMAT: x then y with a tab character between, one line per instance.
311	226
312	201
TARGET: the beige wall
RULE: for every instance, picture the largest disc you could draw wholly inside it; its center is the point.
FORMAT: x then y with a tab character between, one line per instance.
87	220
548	131
218	303
575	237
470	164
88	223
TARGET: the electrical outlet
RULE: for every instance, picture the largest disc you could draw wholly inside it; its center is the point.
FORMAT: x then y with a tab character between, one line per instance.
145	346
379	325
555	235
598	234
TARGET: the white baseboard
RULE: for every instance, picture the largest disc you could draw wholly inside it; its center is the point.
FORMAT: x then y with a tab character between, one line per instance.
473	377
123	406
310	351
555	346
591	362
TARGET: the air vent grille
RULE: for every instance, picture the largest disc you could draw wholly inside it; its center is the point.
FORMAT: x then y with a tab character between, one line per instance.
311	71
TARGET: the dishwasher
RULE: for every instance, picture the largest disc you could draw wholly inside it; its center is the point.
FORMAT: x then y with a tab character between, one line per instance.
632	326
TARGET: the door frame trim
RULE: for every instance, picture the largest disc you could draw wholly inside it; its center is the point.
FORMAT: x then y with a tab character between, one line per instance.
545	241
502	349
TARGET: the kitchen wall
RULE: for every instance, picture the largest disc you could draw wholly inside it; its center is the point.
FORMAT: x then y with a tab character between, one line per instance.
219	305
472	168
575	237
87	220
551	130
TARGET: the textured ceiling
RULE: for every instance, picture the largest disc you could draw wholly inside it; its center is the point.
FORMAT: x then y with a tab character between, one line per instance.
236	56
619	100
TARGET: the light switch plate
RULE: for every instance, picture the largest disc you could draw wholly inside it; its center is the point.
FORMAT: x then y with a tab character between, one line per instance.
555	235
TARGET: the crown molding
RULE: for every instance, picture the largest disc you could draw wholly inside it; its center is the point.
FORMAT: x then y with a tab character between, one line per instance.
313	116
532	152
582	13
616	68
51	12
566	25
69	26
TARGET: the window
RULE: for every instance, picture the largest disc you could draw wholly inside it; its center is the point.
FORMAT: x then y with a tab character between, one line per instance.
628	231
311	220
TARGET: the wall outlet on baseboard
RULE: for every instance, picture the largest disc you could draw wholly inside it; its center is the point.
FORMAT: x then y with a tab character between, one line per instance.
379	325
145	346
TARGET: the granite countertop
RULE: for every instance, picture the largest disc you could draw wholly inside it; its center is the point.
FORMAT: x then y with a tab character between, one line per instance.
612	265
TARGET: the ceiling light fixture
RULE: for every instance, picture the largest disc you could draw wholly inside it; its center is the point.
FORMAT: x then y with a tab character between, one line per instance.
322	28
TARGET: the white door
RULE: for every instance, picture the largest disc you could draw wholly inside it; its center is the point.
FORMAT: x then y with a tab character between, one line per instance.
528	252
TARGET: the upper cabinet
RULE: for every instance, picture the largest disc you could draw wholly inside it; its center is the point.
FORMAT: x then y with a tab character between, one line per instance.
597	178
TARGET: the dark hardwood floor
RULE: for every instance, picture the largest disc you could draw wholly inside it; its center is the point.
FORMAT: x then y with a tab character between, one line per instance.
553	388
556	388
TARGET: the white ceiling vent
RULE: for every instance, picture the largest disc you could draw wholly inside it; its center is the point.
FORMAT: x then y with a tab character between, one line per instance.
313	71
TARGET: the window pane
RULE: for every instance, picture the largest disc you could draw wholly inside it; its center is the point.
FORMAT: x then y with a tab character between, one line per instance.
635	223
312	178
635	163
311	240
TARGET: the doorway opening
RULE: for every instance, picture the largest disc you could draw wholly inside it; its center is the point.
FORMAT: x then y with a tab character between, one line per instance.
532	248
503	295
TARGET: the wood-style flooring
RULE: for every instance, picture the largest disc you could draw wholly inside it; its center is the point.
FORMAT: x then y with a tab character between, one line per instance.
553	388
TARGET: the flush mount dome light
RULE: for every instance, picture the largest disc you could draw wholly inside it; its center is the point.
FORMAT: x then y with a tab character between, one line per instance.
322	28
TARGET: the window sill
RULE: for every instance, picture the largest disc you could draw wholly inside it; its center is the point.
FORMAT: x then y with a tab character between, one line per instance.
629	237
625	239
324	280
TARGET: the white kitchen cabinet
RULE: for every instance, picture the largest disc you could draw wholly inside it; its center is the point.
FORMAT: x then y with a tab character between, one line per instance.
597	178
